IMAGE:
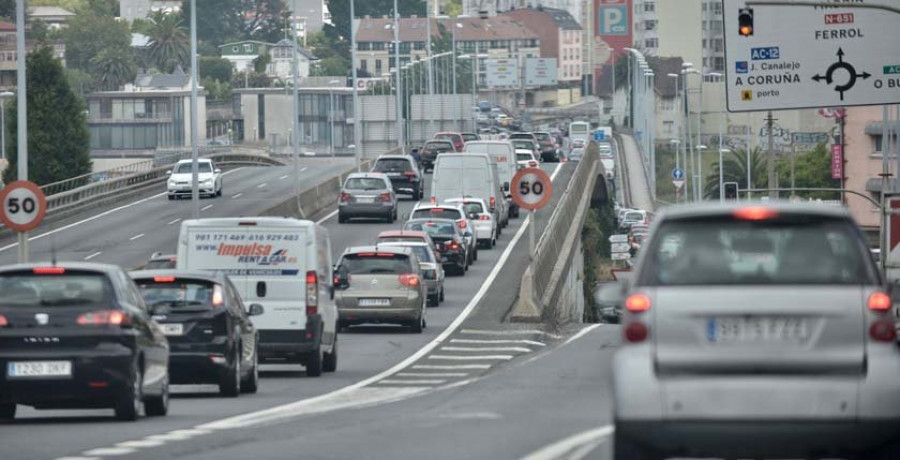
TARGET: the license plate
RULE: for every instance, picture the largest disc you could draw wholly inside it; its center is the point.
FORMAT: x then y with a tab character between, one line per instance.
758	330
172	329
374	302
28	369
365	200
393	174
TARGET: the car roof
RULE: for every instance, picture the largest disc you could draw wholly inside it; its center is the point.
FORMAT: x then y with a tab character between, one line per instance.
781	206
448	132
440	141
432	219
210	275
377	248
288	222
402	233
199	160
465	200
85	266
365	175
432	206
394	156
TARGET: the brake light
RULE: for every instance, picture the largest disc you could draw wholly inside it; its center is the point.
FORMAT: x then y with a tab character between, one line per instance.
636	332
345	197
3	321
463	224
454	246
163	279
883	331
637	303
755	213
246	224
879	302
217	298
312	293
48	270
103	318
409	280
437	210
484	217
386	197
493	203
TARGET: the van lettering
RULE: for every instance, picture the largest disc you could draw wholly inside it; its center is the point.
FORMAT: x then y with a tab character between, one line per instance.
239	250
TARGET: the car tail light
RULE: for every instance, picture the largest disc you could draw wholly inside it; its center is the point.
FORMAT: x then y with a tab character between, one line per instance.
484	217
454	246
163	279
386	197
637	303
755	213
345	197
3	321
49	270
883	331
409	280
218	299
879	302
463	224
103	318
493	203
312	293
636	332
433	200
532	164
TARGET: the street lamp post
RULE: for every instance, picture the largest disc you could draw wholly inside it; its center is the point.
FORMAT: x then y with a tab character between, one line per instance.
195	139
399	102
688	69
357	115
331	113
722	151
700	149
22	114
3	97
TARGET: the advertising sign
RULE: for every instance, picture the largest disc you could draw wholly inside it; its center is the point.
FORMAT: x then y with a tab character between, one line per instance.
541	72
502	72
612	24
837	161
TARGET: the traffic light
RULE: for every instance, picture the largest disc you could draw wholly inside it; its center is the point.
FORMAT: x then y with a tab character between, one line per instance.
731	191
745	22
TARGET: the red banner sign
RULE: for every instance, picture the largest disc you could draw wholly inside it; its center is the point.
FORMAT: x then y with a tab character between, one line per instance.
837	161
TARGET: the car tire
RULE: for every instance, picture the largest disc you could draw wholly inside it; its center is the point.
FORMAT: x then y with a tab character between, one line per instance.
390	218
475	253
341	219
433	300
171	197
7	411
418	325
250	383
624	449
313	363
417	191
330	360
441	299
158	406
230	382
128	403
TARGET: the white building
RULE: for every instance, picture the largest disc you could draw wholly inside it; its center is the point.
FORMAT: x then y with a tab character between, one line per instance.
281	65
55	17
645	27
130	10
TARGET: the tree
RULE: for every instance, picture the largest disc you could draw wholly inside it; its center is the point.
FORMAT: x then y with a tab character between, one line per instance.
86	35
223	21
261	62
250	80
215	67
812	169
169	41
218	90
8	9
58	136
735	170
113	68
100	7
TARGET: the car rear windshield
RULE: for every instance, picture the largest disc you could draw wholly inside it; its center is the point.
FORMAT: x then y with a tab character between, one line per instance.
541	137
473	206
525	136
443	213
177	294
438	146
382	263
400	239
794	249
160	264
420	250
524	157
523	145
364	183
634	216
67	289
470	137
185	168
392	165
444	229
449	137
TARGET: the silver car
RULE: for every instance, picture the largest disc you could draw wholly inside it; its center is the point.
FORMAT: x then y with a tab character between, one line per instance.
757	331
430	263
368	195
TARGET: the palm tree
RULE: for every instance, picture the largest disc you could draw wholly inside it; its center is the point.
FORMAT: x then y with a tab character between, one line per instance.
113	67
169	41
735	170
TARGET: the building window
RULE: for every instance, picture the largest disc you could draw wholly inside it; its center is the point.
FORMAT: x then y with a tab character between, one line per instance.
404	47
669	127
651	43
649	7
419	46
719	64
364	65
378	46
877	141
378	67
248	47
716	8
364	46
650	24
235	49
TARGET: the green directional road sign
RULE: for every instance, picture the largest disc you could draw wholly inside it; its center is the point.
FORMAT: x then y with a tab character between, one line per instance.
892	69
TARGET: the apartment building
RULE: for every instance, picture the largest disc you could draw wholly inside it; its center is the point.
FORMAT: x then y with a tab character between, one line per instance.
130	10
560	37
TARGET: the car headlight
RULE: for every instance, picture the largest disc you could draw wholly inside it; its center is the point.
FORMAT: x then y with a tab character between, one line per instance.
171	183
207	182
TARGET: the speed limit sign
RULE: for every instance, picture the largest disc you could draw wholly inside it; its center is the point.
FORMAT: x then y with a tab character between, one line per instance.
24	206
531	188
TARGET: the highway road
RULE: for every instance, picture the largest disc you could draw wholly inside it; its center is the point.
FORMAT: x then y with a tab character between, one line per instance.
377	364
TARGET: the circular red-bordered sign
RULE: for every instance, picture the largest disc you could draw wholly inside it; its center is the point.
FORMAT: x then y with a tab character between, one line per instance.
531	188
24	206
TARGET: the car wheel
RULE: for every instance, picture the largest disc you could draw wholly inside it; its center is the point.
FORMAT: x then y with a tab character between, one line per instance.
158	406
341	219
390	217
419	325
433	300
624	449
475	253
128	404
314	361
7	411
329	363
171	197
230	382
442	293
250	384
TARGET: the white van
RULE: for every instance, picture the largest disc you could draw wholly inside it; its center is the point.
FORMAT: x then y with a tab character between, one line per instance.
504	156
461	175
283	265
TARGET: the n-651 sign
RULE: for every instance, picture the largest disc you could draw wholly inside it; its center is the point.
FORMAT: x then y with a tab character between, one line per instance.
24	206
531	188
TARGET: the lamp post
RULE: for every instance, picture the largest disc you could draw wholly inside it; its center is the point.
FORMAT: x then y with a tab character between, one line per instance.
195	138
357	118
22	114
295	107
675	143
3	97
700	149
400	141
690	137
722	151
331	113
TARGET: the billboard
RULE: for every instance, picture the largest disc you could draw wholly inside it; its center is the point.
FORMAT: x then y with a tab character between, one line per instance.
541	72
612	24
502	72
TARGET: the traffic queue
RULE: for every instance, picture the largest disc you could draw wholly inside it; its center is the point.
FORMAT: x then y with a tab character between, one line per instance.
244	291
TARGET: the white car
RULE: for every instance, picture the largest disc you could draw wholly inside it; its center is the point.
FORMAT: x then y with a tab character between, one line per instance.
526	159
208	175
483	221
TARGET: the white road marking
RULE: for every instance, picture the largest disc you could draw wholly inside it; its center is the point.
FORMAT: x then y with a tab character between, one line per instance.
489	349
142	443
499	342
472	358
412	382
110	451
93	255
139	235
329	216
179	435
578	443
452	367
506	333
473	416
174	222
206	207
77	458
237	195
302	169
430	374
284	176
581	334
262	185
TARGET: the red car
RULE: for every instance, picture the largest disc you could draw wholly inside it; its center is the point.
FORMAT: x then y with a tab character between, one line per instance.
455	138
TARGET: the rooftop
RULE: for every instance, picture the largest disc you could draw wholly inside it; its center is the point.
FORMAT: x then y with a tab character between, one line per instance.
48	11
470	29
176	80
563	19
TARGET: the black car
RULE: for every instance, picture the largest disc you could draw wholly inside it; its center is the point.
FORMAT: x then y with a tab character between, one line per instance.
430	151
209	330
549	152
449	240
79	336
404	173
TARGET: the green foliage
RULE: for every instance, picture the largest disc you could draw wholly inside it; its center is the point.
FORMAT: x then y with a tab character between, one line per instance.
80	81
8	9
330	66
217	90
58	136
215	67
223	21
735	170
812	169
113	68
169	41
250	80
452	8
261	62
87	35
39	32
599	224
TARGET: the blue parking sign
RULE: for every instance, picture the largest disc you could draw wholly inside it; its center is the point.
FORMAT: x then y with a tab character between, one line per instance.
599	136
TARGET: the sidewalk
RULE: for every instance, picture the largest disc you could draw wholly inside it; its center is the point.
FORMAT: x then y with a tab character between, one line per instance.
637	180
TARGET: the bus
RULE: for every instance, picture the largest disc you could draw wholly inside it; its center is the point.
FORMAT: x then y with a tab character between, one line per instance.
579	130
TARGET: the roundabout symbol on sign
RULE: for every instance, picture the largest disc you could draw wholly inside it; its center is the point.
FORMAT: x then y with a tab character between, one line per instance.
848	68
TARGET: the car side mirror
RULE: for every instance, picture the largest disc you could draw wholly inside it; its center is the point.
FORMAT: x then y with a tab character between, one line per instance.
218	171
506	186
405	216
473	216
341	278
255	310
169	172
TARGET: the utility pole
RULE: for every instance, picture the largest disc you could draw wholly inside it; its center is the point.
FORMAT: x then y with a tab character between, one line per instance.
770	157
195	138
430	64
21	114
399	101
357	113
295	139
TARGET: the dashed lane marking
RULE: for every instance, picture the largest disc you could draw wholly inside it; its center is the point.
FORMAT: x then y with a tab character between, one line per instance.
498	342
174	222
284	176
237	195
488	349
507	333
431	374
93	255
412	382
262	185
452	367
472	358
574	447
138	236
207	207
110	451
141	443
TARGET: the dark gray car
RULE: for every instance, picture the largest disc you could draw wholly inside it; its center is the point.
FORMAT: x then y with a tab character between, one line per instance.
368	195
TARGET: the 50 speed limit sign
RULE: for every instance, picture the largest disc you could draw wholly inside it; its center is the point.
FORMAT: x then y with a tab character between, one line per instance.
531	188
24	206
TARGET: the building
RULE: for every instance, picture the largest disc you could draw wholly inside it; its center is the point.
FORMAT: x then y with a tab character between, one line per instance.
311	15
645	27
864	153
8	55
691	29
560	37
130	10
53	16
281	65
152	113
243	53
487	7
